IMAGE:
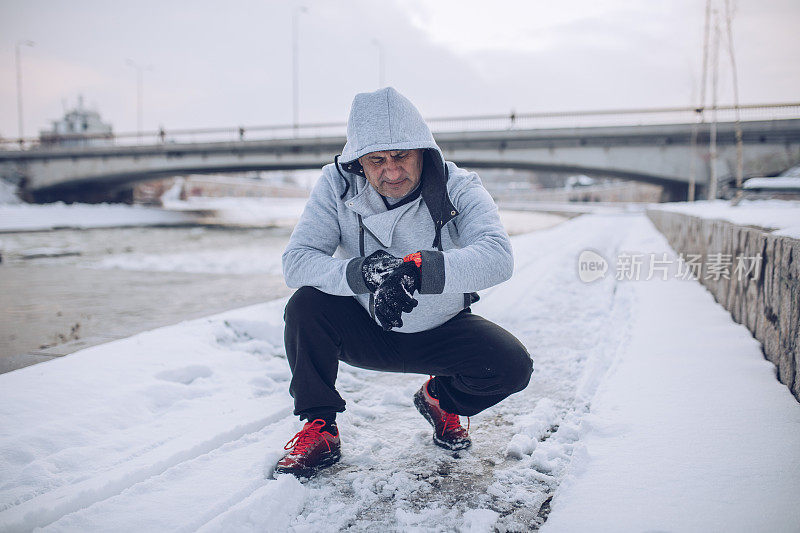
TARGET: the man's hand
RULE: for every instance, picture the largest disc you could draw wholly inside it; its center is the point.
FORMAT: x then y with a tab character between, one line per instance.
395	295
376	268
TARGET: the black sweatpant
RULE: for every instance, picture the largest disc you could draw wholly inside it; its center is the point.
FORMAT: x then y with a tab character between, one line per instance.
476	362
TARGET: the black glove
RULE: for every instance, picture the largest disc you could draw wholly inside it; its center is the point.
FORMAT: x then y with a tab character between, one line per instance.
376	268
395	295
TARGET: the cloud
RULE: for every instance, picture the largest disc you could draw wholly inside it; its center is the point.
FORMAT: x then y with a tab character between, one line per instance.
224	66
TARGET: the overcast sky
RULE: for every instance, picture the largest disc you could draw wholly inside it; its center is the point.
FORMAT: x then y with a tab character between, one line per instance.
222	65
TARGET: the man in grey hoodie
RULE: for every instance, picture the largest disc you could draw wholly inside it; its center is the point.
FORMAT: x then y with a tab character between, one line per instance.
388	219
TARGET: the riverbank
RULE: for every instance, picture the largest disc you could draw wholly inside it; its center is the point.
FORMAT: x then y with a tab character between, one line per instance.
53	310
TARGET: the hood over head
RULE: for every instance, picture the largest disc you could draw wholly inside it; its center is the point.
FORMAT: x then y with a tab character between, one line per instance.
386	120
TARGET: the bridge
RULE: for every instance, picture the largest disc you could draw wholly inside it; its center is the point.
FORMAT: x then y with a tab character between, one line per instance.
666	146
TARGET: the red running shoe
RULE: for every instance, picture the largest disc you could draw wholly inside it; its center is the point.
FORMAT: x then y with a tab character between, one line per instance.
448	432
311	450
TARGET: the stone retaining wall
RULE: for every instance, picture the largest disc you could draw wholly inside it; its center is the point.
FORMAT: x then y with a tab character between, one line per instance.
767	304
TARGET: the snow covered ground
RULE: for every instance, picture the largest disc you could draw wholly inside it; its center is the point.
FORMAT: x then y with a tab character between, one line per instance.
649	409
782	216
689	431
252	212
16	215
574	208
792	183
8	193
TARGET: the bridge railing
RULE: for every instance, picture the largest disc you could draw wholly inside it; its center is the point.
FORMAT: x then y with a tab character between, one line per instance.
615	117
511	121
177	136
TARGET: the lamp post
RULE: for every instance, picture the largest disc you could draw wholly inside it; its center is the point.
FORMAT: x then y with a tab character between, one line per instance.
700	117
712	186
296	66
381	76
17	47
139	93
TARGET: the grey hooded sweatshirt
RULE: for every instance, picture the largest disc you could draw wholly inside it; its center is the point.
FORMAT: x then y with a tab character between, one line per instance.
454	222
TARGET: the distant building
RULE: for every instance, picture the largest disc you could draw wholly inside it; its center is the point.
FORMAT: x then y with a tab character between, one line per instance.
78	127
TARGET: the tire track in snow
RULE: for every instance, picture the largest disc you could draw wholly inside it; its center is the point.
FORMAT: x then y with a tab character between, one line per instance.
234	470
52	506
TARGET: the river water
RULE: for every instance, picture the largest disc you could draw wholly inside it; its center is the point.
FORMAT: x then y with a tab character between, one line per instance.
65	290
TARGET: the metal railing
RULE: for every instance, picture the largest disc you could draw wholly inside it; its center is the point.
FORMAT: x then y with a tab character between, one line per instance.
512	121
615	117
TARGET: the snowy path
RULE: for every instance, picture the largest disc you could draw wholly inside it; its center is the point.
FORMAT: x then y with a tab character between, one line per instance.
175	429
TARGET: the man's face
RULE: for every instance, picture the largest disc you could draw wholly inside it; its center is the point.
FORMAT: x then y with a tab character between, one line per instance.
393	173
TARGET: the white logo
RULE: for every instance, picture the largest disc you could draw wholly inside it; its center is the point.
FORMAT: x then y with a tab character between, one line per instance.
591	266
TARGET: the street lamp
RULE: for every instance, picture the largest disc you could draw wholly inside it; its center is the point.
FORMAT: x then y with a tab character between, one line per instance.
295	65
378	44
17	47
139	93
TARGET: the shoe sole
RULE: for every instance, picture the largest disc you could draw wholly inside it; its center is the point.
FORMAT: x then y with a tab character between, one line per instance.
326	461
420	404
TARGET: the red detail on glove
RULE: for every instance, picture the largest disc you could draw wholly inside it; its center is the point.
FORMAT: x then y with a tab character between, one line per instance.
416	258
